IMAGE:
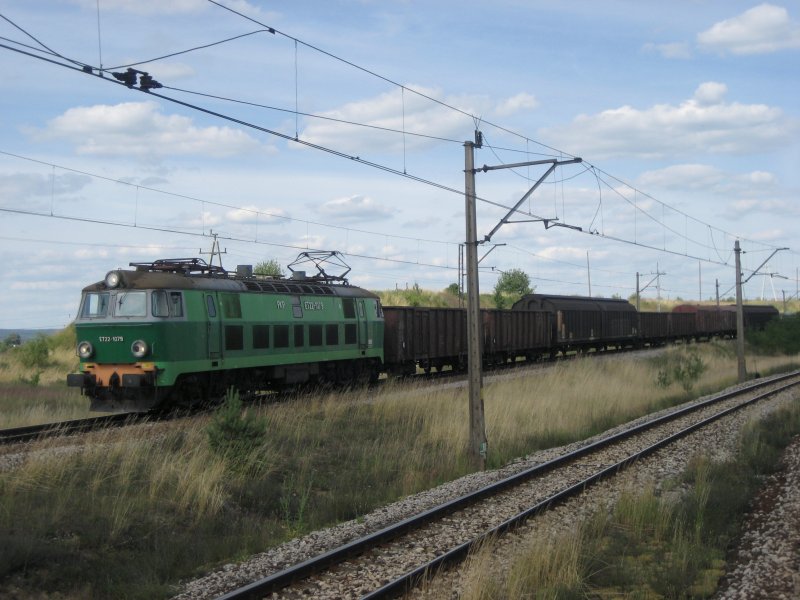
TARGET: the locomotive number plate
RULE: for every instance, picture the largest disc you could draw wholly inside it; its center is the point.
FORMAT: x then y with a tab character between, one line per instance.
108	338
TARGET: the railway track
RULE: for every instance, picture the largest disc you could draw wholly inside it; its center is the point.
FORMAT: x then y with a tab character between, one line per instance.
391	561
45	430
40	431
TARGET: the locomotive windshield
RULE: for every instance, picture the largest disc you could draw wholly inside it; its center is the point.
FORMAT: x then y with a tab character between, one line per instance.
131	304
125	304
95	305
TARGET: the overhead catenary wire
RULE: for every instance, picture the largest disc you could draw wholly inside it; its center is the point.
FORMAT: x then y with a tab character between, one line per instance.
368	163
403	172
269	29
205	201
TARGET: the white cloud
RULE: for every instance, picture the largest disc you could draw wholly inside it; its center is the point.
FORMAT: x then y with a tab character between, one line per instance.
395	110
692	176
515	104
18	187
763	206
670	50
710	93
761	177
704	123
708	179
567	253
759	30
141	129
253	215
205	220
355	209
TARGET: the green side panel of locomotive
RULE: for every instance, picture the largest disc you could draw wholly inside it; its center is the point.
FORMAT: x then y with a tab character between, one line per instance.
258	330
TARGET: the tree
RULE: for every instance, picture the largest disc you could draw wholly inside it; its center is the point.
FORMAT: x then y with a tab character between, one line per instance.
12	340
269	268
511	286
452	289
35	353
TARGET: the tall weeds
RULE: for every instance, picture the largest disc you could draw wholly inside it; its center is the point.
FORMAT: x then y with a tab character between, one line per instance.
161	503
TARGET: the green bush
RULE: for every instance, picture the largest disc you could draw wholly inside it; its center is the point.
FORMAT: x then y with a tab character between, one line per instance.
34	353
684	367
236	433
780	336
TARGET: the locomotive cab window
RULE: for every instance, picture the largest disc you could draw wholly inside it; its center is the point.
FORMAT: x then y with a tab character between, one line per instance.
159	304
166	304
176	304
95	305
131	304
212	309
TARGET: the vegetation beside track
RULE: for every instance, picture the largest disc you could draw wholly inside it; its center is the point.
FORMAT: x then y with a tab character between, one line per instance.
648	546
131	512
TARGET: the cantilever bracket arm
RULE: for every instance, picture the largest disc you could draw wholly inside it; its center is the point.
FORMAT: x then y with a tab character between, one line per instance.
553	164
774	252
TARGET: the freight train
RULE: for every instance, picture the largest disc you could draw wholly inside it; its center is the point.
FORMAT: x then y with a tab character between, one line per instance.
177	332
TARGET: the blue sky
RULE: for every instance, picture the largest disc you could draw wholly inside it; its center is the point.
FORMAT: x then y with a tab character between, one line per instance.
685	113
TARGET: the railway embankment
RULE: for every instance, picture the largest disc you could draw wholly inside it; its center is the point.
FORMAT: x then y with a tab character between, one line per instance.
657	473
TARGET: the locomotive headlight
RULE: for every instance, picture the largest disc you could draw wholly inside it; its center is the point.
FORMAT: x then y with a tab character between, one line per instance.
139	348
113	279
85	350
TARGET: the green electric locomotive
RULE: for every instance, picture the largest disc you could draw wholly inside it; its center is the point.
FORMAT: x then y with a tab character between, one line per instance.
176	332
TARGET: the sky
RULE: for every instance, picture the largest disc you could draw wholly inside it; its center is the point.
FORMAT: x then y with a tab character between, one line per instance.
341	125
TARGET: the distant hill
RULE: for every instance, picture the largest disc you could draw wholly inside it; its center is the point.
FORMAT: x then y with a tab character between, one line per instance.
26	334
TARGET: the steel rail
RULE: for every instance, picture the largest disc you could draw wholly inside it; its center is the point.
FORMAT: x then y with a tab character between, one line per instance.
409	580
32	432
305	569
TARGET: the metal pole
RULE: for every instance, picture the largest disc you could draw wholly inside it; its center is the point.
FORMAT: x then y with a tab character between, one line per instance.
658	286
742	369
700	281
716	282
477	424
637	291
589	273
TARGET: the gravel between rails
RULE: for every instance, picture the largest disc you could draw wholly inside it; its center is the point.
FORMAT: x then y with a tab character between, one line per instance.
719	442
351	580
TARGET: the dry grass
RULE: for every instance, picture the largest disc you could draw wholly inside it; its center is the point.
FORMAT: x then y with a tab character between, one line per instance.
159	507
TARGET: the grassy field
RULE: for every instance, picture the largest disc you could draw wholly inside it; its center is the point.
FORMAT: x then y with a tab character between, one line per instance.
128	513
33	382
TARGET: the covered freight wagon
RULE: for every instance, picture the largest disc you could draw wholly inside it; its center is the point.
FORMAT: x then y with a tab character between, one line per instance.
710	321
756	316
584	323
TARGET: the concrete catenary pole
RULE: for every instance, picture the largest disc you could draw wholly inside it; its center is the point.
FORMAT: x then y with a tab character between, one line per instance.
742	369
477	425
